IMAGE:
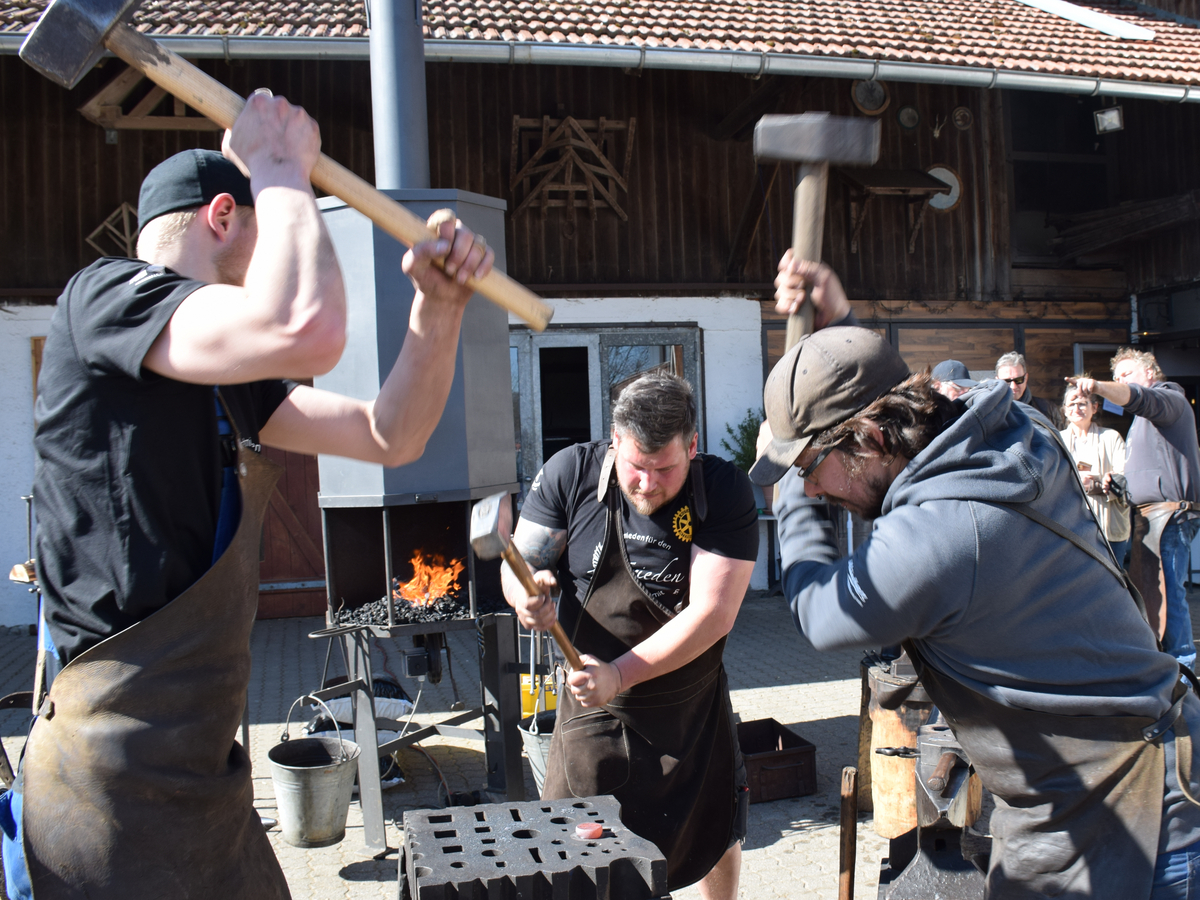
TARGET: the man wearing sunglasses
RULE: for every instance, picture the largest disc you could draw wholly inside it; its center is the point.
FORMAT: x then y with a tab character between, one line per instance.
986	564
1011	369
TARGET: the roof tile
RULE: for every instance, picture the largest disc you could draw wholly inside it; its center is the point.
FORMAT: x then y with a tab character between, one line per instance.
988	34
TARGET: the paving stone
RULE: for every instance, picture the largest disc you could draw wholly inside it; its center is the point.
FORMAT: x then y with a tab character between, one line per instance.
792	844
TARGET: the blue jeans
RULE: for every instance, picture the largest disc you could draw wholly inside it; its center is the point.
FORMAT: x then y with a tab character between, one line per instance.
1177	875
1174	548
16	874
1121	550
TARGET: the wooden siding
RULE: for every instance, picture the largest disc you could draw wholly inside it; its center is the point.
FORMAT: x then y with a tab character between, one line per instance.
1158	156
61	179
686	190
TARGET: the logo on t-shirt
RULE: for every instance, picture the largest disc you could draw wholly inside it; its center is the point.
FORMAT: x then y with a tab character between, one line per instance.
681	524
147	273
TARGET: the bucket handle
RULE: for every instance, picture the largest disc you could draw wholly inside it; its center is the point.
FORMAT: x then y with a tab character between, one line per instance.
288	723
541	694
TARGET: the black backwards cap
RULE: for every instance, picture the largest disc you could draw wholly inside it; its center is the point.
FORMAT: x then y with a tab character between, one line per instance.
189	180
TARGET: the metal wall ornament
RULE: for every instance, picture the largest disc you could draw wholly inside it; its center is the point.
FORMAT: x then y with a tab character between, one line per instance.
564	148
962	118
871	97
946	202
908	117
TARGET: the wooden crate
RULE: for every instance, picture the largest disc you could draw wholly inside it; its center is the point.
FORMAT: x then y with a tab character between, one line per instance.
779	763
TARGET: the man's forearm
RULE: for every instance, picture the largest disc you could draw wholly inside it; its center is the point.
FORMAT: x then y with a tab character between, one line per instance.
412	398
1113	391
718	586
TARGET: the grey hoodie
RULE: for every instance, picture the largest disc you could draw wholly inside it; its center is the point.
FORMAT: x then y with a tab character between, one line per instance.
991	598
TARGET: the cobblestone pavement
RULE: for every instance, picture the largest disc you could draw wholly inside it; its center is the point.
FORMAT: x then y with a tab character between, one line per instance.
792	845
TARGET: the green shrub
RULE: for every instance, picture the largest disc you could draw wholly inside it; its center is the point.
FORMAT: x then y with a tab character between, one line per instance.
745	436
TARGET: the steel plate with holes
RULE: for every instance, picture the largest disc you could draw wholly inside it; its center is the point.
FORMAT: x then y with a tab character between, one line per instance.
505	851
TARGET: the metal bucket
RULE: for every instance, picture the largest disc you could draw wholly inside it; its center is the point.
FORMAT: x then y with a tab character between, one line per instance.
313	778
535	735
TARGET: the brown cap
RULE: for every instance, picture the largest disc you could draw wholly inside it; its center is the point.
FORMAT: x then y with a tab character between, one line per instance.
822	381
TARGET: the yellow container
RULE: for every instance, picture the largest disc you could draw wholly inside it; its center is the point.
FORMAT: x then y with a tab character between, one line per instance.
529	695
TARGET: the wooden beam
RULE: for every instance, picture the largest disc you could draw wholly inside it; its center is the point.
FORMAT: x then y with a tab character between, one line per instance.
752	211
105	109
764	99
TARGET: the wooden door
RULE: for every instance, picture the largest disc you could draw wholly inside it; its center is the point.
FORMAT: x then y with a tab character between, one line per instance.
292	566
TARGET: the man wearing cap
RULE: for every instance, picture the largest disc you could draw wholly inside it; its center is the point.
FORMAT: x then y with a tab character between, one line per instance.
952	379
986	564
162	377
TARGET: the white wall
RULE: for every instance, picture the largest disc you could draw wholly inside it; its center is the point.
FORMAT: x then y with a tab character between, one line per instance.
733	363
732	345
17	325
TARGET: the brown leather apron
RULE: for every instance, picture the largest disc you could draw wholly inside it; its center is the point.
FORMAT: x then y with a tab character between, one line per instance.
133	784
665	748
1145	560
1079	799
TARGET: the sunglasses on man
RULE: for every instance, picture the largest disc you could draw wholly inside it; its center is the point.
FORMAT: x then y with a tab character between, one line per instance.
1020	379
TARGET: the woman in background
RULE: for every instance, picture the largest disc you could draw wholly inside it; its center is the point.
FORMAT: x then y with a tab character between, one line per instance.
1099	454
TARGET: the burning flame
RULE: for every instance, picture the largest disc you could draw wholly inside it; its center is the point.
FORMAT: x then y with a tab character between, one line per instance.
432	580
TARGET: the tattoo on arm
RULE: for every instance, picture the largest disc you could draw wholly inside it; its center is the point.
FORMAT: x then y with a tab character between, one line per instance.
541	546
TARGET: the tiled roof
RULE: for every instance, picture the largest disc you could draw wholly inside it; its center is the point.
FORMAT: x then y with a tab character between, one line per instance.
1000	34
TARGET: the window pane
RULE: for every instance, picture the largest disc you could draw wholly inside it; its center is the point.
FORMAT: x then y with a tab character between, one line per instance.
627	362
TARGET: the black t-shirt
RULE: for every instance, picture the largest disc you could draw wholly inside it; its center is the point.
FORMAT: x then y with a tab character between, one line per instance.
563	496
127	489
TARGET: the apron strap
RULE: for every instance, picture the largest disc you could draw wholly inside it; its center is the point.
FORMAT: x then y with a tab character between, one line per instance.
1173	718
606	473
696	494
1046	522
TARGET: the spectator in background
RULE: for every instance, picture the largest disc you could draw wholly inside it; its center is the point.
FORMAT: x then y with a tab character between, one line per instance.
1011	369
1099	455
952	379
1163	471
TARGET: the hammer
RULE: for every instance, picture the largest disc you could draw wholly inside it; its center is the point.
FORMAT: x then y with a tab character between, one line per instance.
491	525
814	140
72	35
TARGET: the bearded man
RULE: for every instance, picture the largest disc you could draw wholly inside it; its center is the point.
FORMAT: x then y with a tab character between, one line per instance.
653	544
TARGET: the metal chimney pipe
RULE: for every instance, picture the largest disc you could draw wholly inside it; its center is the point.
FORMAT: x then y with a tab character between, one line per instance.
400	118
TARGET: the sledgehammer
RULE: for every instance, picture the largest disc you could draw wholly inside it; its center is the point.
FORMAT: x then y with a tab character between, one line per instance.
491	525
72	35
814	140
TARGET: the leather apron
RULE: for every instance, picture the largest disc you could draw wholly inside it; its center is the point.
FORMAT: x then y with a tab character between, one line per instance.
134	786
1145	560
1079	799
665	748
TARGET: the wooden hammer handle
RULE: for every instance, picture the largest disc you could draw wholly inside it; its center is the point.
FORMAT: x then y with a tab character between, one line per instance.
808	232
941	772
520	568
208	96
848	849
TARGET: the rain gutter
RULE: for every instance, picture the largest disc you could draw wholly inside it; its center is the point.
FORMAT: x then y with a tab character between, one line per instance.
637	59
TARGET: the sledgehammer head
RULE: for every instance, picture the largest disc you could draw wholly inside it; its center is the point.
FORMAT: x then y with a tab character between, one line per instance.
491	526
817	137
69	37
